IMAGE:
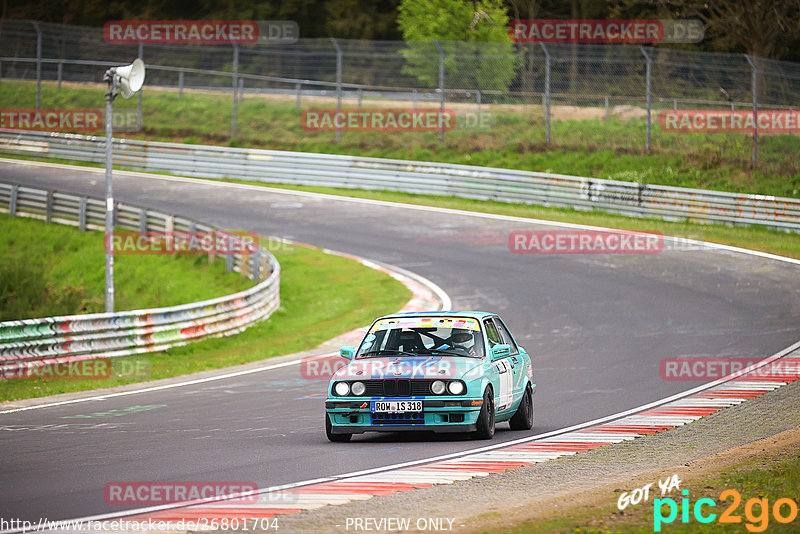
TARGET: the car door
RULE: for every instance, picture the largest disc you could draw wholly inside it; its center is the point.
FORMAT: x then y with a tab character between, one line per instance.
514	357
505	371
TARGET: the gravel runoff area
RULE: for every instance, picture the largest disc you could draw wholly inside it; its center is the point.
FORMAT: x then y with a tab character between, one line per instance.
539	491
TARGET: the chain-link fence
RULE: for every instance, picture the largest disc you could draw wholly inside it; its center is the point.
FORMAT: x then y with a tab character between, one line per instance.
563	81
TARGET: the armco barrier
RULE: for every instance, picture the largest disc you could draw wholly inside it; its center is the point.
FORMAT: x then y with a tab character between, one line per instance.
51	340
547	189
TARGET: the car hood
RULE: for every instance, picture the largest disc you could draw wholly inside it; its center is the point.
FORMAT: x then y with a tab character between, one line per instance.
415	367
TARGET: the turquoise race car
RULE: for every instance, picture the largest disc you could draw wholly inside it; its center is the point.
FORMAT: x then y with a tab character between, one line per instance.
434	371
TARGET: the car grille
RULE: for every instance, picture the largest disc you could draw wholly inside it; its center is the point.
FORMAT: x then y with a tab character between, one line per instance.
397	387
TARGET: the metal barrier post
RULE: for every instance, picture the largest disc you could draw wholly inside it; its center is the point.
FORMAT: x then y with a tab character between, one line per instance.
139	93
546	97
297	101
60	72
235	85
82	214
180	84
754	156
649	62
441	91
338	86
12	203
38	64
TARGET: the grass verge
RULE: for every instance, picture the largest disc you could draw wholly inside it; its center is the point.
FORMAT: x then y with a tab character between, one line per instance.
322	295
53	269
612	148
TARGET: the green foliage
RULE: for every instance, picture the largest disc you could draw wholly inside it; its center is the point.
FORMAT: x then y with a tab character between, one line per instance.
467	38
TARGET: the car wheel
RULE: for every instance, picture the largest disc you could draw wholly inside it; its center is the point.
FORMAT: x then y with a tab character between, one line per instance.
523	417
486	417
336	438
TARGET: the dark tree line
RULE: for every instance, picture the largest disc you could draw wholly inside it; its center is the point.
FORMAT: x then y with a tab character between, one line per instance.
768	28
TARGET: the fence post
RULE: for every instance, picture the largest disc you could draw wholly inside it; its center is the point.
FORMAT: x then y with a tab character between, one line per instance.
48	209
38	64
235	84
754	156
297	101
82	214
606	107
649	124
180	84
142	221
441	91
139	93
546	96
478	98
338	85
12	203
60	72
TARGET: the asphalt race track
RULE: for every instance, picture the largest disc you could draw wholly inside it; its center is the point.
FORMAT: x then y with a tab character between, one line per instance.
597	326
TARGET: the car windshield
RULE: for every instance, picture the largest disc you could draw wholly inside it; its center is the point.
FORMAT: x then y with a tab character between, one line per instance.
445	336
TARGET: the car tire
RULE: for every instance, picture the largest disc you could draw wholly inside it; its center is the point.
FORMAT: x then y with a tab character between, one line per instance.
486	422
523	417
336	438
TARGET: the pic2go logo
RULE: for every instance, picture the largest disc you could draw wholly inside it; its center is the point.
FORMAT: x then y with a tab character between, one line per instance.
756	511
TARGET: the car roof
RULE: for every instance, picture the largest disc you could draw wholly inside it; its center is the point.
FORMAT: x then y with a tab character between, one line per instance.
473	314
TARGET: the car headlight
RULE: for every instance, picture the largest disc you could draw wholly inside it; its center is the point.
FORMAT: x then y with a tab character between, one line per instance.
437	387
341	388
358	388
455	387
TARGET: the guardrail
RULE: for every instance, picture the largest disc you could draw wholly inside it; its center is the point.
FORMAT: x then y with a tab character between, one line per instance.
35	342
484	183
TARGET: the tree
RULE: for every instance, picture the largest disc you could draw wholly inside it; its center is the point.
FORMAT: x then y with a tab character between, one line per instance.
473	35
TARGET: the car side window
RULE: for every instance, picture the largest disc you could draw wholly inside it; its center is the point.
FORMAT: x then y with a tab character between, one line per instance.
505	335
491	333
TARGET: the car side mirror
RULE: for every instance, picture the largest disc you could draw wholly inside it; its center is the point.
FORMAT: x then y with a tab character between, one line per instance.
500	351
347	352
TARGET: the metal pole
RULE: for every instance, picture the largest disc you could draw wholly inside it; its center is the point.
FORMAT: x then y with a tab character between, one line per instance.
38	64
297	101
109	195
180	84
60	72
235	86
754	156
441	91
338	86
546	103
649	124
606	108
139	95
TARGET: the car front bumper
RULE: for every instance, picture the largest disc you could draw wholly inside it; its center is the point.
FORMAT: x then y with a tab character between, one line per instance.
438	415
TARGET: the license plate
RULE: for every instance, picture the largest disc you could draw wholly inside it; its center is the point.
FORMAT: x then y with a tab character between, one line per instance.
397	406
